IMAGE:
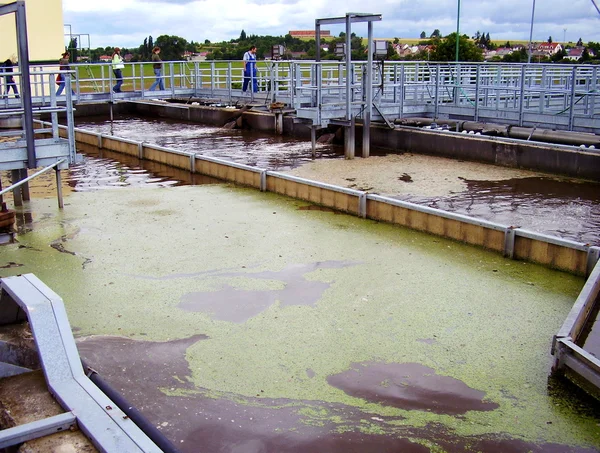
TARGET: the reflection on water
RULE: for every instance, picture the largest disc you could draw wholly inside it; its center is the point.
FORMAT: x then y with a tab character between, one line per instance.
556	206
262	150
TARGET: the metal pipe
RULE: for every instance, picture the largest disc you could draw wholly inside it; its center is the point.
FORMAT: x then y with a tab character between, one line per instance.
29	178
132	412
516	132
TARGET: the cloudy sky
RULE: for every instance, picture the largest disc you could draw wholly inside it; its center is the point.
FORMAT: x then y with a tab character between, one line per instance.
126	23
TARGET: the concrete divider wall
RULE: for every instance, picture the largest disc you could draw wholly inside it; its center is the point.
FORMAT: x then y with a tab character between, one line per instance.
440	226
520	244
341	200
558	160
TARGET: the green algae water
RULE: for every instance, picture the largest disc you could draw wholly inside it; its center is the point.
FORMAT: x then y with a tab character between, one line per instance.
241	321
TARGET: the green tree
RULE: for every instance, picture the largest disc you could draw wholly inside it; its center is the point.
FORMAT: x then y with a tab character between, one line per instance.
242	36
73	49
585	56
423	35
445	49
549	39
516	57
171	47
436	34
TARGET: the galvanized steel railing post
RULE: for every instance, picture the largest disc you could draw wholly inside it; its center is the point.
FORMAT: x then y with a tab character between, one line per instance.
70	121
572	101
172	79
402	77
592	95
477	74
521	96
212	78
436	100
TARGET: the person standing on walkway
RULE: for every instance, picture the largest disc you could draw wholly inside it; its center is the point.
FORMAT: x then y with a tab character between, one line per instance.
9	80
157	66
117	66
250	70
60	78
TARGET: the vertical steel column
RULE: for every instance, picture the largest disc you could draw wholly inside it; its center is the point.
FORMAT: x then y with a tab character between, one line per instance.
593	88
172	79
477	73
572	102
229	79
522	95
366	146
133	75
436	106
59	193
313	140
25	186
402	76
17	193
349	142
212	79
21	25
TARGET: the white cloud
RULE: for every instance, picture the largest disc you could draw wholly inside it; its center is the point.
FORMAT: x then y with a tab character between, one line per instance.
124	22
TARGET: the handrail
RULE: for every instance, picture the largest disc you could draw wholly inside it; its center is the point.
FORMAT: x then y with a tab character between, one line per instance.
29	178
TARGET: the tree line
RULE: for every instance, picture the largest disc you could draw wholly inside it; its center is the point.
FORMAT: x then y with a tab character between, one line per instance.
436	48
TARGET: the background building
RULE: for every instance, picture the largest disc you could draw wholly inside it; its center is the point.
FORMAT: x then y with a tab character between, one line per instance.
45	31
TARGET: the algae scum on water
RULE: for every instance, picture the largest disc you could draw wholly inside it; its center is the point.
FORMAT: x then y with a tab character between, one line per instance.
304	323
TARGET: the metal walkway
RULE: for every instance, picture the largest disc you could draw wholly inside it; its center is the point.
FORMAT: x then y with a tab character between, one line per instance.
19	148
563	97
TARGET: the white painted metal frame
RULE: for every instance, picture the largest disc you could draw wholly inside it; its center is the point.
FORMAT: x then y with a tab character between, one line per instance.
107	426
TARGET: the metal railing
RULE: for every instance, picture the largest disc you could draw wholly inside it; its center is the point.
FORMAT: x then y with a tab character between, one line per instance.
545	95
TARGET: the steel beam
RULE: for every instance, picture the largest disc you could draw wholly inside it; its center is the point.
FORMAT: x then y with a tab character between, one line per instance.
35	430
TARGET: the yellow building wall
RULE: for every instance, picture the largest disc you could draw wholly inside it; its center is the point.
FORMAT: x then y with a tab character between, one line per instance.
45	31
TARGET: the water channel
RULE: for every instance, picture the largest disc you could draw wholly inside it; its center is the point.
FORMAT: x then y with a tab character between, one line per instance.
561	207
247	322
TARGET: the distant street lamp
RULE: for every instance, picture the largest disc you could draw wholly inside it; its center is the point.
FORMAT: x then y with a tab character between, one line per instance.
458	30
531	32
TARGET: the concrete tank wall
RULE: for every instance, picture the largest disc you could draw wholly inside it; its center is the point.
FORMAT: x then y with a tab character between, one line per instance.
554	159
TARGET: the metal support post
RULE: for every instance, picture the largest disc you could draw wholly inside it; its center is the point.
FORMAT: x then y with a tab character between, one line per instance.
279	123
59	193
172	79
25	186
21	25
350	140
17	193
366	147
313	140
477	73
522	96
509	243
572	100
